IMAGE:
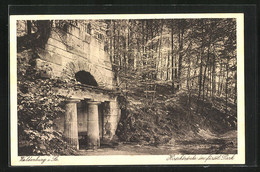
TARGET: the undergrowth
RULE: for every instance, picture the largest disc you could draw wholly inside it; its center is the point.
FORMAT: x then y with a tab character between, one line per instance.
174	117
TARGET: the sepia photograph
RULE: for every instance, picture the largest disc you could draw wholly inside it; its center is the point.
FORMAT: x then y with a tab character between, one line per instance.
127	89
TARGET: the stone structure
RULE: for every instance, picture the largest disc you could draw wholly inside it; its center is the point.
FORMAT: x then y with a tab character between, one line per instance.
74	51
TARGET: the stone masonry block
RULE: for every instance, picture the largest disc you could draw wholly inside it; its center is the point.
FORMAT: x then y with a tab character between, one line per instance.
57	43
50	56
59	51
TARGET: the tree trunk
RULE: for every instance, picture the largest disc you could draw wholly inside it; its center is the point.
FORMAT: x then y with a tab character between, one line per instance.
188	86
181	32
160	44
201	60
200	72
205	70
142	56
208	80
29	27
167	71
172	59
114	41
213	82
227	83
220	79
111	42
153	60
118	52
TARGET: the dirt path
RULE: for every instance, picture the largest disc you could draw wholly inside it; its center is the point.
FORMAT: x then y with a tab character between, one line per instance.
223	144
131	149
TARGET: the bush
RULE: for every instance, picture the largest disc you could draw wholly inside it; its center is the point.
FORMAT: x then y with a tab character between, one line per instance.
38	106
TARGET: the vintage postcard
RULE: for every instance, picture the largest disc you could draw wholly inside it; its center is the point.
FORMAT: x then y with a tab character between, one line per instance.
150	89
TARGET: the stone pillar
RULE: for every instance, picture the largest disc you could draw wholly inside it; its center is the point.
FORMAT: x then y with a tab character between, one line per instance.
70	123
93	141
111	119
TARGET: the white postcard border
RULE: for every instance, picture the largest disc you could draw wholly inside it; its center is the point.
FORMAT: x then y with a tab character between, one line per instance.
238	158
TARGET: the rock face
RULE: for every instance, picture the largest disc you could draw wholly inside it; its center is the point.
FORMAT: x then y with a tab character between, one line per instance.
77	52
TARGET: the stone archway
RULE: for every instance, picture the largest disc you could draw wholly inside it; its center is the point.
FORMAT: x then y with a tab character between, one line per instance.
86	78
90	125
72	68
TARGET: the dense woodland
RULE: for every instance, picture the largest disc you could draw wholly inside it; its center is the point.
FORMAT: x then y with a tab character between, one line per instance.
190	62
189	54
176	77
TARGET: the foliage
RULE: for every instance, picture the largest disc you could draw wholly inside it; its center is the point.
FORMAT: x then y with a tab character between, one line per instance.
38	106
168	119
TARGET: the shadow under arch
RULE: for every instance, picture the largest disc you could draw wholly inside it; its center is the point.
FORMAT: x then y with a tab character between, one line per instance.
86	78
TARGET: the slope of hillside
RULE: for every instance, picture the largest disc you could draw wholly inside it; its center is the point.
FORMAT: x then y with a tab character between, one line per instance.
171	119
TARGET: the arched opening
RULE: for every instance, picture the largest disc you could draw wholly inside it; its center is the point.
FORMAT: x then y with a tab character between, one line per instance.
85	78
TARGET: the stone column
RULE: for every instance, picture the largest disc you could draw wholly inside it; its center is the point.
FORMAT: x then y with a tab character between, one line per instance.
70	122
93	141
111	118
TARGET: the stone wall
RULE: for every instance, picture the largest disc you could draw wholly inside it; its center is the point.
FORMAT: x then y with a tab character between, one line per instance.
68	52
